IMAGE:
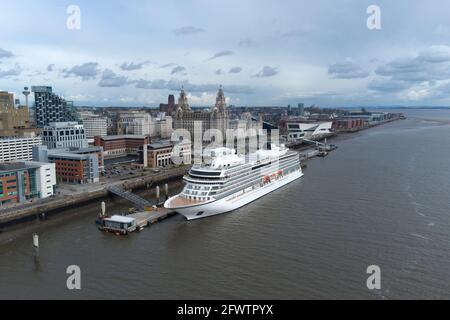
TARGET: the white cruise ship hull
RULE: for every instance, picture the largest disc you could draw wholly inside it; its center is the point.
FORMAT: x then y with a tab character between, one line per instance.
234	201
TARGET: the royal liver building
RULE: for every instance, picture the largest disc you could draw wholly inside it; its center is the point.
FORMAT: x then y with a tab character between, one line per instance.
215	118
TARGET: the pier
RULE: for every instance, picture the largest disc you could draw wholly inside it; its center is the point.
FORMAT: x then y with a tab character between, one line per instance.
146	218
124	225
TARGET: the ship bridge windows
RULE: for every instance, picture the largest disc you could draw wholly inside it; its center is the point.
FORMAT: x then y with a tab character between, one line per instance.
205	173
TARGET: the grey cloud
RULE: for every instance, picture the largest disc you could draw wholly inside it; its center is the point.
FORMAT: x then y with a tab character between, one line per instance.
50	67
388	85
17	70
417	69
5	54
347	70
235	70
267	71
111	79
175	84
435	54
219	72
187	30
427	69
86	71
133	66
177	69
168	65
221	54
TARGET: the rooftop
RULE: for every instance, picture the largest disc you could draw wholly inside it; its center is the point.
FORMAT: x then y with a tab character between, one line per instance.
68	155
63	124
160	144
85	150
124	136
17	166
120	219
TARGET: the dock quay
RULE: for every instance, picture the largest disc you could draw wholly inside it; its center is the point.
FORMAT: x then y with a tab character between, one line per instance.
42	208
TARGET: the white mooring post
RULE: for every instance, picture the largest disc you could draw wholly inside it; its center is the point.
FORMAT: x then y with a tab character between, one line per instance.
166	191
157	194
36	241
103	208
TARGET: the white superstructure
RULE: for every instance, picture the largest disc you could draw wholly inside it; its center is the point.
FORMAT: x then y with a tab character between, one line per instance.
227	181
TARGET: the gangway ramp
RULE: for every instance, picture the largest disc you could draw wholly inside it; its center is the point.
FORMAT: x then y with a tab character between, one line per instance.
139	202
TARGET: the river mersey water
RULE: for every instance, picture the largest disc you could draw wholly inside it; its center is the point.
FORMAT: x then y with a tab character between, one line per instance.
381	199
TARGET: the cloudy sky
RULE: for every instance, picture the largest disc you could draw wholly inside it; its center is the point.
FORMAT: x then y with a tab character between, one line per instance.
263	52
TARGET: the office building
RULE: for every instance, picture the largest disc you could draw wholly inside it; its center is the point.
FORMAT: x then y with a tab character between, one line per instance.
162	126
58	135
21	181
95	126
121	145
159	154
301	109
73	165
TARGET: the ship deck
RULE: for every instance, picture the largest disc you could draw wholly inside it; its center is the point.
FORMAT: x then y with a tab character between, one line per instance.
179	201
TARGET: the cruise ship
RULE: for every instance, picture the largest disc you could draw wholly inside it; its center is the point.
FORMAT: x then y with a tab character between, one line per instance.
227	181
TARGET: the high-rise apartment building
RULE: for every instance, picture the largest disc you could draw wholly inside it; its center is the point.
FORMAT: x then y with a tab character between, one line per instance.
50	107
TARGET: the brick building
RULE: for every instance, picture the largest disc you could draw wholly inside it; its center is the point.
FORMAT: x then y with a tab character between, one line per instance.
120	145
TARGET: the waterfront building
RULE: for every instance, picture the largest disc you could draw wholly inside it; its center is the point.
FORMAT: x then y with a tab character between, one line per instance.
215	118
14	118
308	130
121	145
350	124
79	166
21	181
159	154
50	107
18	148
57	135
